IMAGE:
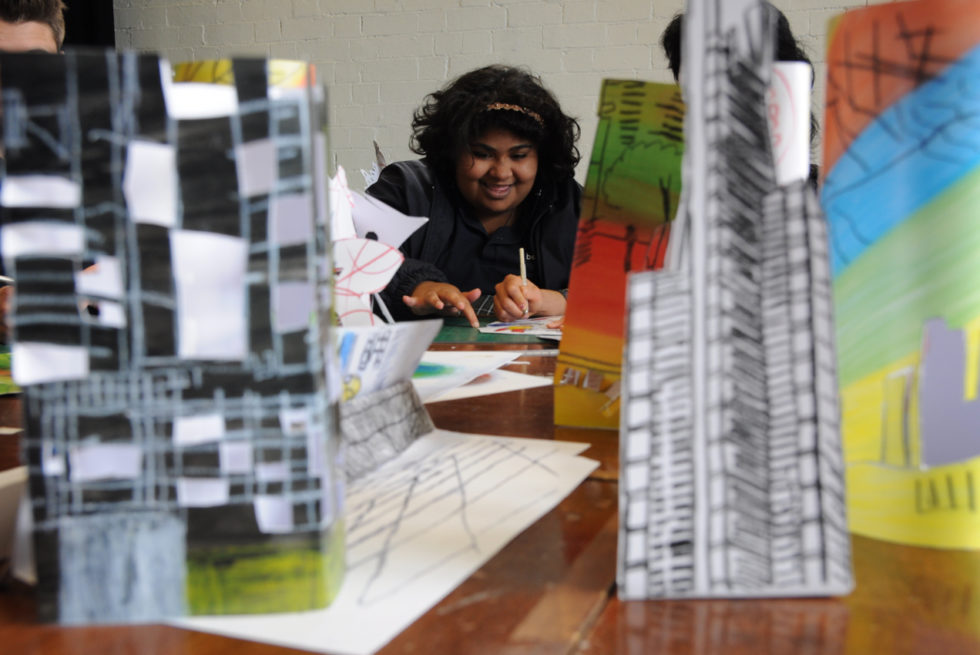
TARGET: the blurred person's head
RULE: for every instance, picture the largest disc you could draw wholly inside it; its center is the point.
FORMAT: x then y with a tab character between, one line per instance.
787	48
32	25
495	99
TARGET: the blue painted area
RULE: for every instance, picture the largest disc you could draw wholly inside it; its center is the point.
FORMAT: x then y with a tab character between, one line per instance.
910	154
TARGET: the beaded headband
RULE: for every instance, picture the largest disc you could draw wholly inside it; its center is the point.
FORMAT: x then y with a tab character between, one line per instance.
494	106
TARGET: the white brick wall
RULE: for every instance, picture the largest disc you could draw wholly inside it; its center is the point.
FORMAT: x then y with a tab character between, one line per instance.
379	58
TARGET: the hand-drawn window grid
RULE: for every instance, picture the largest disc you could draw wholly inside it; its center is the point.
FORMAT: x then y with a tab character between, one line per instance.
259	449
749	501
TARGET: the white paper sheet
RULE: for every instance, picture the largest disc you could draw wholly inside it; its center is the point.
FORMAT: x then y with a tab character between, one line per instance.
441	371
194	430
209	273
537	326
104	279
40	237
388	224
498	381
150	183
374	358
341	207
291	219
105	461
202	492
788	105
363	267
37	362
40	191
257	165
417	527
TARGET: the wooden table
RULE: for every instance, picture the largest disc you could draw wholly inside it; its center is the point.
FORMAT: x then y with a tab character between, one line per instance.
552	589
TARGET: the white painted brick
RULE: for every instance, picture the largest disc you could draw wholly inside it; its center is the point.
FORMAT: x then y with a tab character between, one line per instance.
415	5
126	17
463	63
621	34
174	54
267	31
155	39
389	70
183	15
261	10
544	62
346	26
191	35
434	68
229	33
415	45
362	50
229	12
260	50
432	20
574	36
403	93
577	60
476	18
340	94
124	39
333	50
366	94
347	72
465	43
628	57
578	12
359	115
284	50
624	10
330	7
306	8
400	23
534	13
304	28
516	39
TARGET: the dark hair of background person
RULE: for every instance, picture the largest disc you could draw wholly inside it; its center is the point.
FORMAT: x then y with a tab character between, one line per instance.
90	23
456	115
48	12
787	49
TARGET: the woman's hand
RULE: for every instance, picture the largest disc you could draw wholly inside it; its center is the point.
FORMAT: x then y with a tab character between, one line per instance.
513	301
443	298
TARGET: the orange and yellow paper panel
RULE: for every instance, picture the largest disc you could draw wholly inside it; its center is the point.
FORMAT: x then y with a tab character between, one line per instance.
631	194
901	192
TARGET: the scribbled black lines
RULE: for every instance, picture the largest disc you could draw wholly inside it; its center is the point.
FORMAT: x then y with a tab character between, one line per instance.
423	489
920	65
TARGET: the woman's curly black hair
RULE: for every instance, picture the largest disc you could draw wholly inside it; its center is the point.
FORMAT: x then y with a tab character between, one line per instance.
453	117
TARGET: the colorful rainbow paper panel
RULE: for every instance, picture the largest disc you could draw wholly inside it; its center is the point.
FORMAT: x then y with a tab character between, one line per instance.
901	191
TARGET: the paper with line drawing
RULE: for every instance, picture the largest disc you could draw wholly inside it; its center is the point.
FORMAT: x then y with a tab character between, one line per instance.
417	527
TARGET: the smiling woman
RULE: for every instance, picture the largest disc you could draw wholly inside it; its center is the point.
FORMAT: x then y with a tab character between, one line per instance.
496	176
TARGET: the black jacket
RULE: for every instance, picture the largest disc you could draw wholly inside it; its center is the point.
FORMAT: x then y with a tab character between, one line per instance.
413	187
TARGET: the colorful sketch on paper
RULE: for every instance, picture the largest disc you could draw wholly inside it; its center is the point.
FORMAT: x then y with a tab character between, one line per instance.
428	370
441	371
903	113
631	195
180	439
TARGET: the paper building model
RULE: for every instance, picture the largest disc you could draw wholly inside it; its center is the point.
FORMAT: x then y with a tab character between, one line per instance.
167	247
631	194
901	191
732	476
